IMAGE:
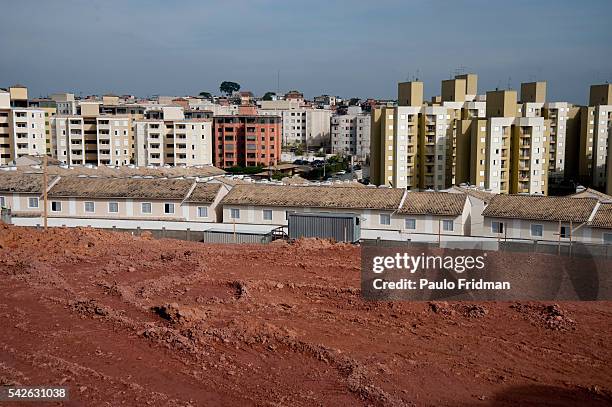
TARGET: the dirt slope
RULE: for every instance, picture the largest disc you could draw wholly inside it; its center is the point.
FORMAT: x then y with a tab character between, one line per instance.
134	321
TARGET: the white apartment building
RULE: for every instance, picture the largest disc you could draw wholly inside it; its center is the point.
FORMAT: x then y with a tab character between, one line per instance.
65	103
532	160
102	140
350	135
301	125
558	114
173	142
27	132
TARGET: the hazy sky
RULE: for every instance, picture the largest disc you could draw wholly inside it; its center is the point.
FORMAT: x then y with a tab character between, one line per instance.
349	48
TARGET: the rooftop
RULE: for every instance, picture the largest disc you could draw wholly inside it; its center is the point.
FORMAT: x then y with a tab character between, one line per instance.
551	208
592	193
432	203
24	183
87	187
603	216
127	171
315	196
476	193
204	193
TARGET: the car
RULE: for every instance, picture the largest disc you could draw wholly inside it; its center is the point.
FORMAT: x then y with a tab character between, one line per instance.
341	172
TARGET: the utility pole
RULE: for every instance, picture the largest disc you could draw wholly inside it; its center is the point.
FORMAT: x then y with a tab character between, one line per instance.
45	183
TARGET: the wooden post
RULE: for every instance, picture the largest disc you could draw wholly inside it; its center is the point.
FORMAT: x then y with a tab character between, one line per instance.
45	190
234	230
571	232
559	240
439	232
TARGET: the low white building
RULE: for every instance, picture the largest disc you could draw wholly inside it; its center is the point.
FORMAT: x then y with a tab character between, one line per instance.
540	218
269	204
22	193
151	199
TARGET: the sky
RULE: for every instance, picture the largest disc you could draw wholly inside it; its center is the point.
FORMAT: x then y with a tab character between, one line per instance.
347	48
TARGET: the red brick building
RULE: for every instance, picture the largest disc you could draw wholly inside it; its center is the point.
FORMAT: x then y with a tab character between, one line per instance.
246	140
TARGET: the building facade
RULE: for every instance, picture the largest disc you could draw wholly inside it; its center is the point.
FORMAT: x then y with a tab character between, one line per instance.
246	140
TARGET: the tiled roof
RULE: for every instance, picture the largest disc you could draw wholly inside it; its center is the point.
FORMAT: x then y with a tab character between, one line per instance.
476	193
549	208
125	171
433	203
139	188
603	216
315	196
12	181
204	193
592	193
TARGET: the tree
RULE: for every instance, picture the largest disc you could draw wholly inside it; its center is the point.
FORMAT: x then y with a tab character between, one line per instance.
228	87
205	95
268	96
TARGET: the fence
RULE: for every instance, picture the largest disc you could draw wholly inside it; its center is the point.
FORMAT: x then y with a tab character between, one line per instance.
570	249
207	236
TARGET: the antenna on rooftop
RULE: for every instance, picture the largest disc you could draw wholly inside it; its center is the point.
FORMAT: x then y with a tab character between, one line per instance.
460	70
278	82
509	83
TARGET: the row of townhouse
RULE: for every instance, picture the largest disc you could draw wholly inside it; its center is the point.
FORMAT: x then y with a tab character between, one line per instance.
134	199
458	213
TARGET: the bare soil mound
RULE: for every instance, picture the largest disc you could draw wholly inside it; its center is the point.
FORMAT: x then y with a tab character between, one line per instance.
125	320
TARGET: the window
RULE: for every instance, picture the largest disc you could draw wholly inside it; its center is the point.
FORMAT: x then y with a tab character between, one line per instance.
33	202
536	230
168	208
145	207
56	206
565	231
2	201
607	238
267	214
90	207
235	213
447	225
385	219
113	207
202	211
410	223
497	227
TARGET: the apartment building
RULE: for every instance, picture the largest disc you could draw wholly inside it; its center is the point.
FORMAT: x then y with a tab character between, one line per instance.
595	166
246	139
5	131
564	139
173	141
27	132
350	135
461	137
18	96
300	125
96	140
65	103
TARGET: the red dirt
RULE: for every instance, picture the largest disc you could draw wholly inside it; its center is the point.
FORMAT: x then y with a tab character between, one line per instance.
134	321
